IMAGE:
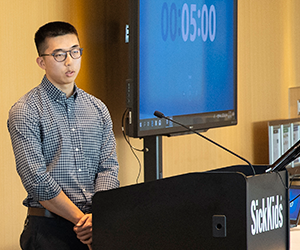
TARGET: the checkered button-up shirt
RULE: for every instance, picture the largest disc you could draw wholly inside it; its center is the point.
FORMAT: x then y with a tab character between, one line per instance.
64	144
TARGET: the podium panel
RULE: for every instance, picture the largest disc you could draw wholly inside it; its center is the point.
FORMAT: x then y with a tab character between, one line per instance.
222	209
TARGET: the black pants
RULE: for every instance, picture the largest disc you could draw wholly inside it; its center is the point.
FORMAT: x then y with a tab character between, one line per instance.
41	233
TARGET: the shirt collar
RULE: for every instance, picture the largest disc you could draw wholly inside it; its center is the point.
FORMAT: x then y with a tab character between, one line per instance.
54	92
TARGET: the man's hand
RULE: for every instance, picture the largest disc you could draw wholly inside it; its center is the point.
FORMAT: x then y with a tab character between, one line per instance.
83	229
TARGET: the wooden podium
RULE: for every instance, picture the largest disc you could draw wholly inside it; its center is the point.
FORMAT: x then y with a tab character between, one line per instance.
227	208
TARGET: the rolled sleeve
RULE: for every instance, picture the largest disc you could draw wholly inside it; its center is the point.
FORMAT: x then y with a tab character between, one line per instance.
25	136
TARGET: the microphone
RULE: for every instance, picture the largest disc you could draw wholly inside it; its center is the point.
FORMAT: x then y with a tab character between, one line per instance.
162	116
290	155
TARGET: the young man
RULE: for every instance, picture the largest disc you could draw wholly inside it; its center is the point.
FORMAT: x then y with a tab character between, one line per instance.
64	147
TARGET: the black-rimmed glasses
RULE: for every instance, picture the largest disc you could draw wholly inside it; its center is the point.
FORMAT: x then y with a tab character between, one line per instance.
61	55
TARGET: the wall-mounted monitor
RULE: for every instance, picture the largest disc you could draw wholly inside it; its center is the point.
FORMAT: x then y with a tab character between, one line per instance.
183	63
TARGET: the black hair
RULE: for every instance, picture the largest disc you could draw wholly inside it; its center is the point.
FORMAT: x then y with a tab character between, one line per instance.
52	29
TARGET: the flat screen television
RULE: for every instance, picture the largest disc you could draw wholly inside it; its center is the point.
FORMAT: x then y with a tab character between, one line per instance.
183	63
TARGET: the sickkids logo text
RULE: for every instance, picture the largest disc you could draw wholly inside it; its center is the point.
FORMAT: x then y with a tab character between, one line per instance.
266	215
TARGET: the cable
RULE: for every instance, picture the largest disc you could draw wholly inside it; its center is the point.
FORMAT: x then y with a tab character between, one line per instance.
131	147
294	198
291	185
125	136
286	187
140	165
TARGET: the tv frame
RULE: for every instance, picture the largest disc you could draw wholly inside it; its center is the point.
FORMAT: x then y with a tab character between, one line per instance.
133	99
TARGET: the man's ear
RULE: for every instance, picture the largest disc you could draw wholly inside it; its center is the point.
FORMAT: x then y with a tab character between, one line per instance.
40	61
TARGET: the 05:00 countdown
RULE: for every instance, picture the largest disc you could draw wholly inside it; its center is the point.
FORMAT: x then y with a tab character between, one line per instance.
189	22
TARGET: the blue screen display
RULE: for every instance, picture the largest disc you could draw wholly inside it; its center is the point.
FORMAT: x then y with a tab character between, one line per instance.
294	205
186	57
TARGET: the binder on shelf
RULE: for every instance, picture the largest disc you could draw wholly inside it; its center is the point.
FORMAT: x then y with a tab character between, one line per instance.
274	143
282	135
295	138
286	137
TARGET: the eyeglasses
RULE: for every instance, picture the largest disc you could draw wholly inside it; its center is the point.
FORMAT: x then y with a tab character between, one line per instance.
61	56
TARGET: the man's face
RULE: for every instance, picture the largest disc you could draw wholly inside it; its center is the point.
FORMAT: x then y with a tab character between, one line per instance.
60	74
